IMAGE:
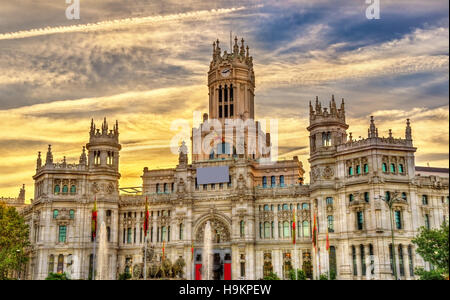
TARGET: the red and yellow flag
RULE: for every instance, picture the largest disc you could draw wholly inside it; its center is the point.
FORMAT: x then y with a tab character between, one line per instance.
293	228
163	250
314	233
146	217
94	219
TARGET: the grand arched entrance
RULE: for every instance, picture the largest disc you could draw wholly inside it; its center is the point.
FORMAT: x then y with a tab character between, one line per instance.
213	253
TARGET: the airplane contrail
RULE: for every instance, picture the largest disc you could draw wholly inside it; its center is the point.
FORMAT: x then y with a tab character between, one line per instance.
116	23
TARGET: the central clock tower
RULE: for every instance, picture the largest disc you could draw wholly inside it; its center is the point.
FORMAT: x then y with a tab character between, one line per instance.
231	83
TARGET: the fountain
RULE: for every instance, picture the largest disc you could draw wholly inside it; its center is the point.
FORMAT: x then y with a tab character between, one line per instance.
207	253
102	256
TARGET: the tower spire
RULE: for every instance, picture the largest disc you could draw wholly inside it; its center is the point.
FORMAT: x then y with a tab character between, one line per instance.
408	131
39	161
372	128
49	158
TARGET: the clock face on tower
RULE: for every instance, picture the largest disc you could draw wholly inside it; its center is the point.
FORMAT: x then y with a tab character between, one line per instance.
225	72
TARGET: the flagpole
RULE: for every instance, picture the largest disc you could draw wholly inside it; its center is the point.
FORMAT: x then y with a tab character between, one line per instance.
93	259
145	257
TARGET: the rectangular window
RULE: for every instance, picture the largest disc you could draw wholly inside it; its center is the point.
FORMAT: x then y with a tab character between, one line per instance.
226	111
330	223
129	236
134	236
220	111
231	110
427	221
398	219
242	269
62	233
424	199
360	220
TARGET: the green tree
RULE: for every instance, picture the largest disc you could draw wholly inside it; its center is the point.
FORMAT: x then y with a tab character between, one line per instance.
301	275
432	245
13	241
271	276
57	276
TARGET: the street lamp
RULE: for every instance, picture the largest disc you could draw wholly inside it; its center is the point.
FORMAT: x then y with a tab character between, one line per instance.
389	201
18	271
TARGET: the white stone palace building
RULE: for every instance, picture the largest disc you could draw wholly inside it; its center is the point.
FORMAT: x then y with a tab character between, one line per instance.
252	210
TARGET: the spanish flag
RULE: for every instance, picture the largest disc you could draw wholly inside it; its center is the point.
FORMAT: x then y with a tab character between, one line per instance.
146	217
94	219
314	233
293	228
163	250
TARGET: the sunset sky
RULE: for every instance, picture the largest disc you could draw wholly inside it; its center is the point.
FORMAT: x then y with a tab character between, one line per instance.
145	63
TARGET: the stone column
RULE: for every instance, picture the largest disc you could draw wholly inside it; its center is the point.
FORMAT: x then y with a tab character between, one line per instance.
406	262
367	259
358	261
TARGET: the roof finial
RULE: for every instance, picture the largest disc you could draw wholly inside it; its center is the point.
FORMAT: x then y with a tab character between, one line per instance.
408	131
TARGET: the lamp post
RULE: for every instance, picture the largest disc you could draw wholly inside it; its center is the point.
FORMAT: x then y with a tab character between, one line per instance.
20	265
389	201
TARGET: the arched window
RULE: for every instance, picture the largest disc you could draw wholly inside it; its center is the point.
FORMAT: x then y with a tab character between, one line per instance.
355	267
366	168
391	258
65	189
55	213
358	169
51	264
401	169
73	189
350	197
286	229
264	181
384	167
330	220
57	189
366	196
363	260
350	171
401	261
223	148
387	196
157	188
180	234
166	188
392	168
267	230
306	230
411	263
272	181
281	180
305	206
285	207
242	228
72	214
266	207
60	268
329	200
404	197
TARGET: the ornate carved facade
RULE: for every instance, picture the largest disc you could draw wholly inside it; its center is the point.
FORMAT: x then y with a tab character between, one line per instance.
251	213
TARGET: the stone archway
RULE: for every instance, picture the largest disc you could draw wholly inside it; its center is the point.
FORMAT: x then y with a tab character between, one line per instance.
220	231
